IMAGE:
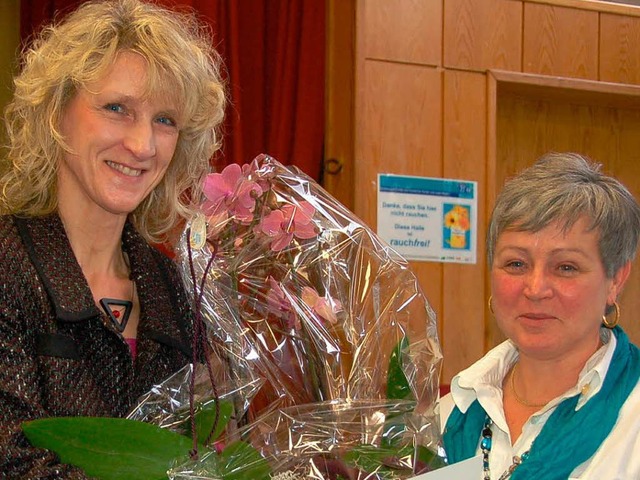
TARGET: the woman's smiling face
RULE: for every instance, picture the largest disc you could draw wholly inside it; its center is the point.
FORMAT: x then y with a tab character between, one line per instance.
550	289
121	140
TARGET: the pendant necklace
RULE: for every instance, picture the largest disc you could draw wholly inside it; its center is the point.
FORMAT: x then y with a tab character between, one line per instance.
117	310
485	446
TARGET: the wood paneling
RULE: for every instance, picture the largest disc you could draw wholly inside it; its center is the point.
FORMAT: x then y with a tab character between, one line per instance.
518	78
464	158
619	52
483	34
616	95
403	30
528	127
399	130
401	127
560	41
607	6
338	171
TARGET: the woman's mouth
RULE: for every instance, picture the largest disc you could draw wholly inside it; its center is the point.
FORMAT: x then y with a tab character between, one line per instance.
131	172
536	316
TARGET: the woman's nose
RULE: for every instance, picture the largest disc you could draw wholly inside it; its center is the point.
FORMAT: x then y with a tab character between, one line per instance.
537	284
140	140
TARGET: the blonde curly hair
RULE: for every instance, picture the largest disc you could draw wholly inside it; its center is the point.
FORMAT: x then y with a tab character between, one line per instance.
68	55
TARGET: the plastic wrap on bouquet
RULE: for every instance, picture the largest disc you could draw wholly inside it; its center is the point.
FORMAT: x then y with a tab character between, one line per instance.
300	297
363	439
168	404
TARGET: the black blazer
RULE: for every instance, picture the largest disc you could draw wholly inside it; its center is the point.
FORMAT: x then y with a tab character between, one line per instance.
59	354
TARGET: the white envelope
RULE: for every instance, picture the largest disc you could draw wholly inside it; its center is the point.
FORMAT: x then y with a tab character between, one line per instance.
470	469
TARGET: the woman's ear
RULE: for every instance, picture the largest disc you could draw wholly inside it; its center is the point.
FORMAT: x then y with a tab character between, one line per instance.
619	279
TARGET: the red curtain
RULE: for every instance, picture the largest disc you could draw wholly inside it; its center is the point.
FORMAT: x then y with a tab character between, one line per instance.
36	13
274	55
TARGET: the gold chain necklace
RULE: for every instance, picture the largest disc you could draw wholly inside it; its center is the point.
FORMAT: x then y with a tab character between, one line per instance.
520	400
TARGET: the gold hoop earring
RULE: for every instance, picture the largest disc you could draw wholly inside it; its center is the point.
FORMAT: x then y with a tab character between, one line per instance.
609	324
489	304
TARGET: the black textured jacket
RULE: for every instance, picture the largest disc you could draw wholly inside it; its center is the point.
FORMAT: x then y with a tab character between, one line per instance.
59	355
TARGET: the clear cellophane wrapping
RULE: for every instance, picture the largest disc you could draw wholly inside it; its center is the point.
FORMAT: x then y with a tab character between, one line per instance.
318	335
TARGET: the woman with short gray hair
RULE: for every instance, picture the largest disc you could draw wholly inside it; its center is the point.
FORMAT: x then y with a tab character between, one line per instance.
560	398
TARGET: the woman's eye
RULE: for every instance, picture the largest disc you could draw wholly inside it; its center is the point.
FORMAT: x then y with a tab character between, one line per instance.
165	120
515	264
114	107
567	268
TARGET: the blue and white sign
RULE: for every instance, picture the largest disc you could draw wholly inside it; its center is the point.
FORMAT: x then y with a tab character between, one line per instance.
430	219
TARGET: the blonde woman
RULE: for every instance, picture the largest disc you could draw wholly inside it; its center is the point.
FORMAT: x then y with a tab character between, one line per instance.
114	119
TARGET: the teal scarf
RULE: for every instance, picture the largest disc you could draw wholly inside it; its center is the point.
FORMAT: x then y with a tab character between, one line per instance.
569	437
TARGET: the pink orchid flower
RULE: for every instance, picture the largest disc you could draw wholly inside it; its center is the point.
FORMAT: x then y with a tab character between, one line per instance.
289	221
262	178
279	305
230	190
320	305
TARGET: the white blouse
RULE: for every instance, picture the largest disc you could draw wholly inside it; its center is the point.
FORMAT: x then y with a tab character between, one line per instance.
618	458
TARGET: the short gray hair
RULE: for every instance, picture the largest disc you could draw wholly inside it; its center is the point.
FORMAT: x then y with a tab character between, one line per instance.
565	187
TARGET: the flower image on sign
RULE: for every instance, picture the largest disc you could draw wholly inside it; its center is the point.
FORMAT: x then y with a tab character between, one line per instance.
429	219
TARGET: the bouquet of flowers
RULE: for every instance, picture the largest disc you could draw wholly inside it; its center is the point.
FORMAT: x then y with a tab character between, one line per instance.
299	296
316	353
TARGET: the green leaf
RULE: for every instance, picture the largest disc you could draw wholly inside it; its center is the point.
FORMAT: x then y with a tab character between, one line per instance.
398	388
371	458
205	416
242	461
395	430
429	458
392	462
397	384
109	448
238	461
